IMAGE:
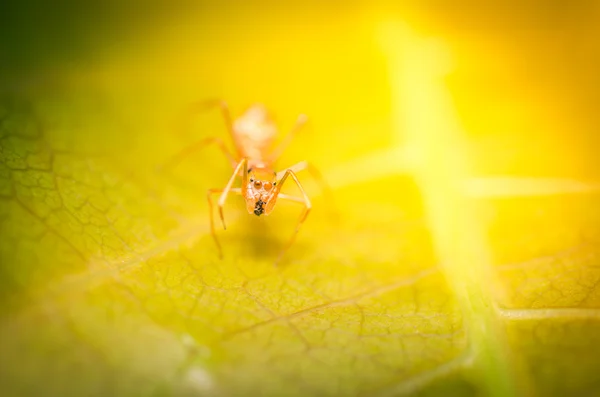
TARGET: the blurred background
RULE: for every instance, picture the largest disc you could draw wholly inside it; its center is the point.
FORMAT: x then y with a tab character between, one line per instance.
460	139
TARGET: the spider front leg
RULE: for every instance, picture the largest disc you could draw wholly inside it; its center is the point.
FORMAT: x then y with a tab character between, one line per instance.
315	174
242	166
304	200
213	232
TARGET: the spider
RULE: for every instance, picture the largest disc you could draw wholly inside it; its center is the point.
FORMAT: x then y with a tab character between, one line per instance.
253	134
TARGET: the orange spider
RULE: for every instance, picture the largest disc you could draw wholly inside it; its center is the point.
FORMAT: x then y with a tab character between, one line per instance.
253	134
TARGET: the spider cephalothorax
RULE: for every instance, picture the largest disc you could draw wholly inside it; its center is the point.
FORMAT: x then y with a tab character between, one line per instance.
260	190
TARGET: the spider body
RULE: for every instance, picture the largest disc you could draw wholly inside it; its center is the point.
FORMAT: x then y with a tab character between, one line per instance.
253	135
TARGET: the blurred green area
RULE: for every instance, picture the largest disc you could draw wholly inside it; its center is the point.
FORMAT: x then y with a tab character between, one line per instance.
110	284
40	37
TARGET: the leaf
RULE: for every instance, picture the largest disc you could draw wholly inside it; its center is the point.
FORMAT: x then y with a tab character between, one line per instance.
138	295
429	278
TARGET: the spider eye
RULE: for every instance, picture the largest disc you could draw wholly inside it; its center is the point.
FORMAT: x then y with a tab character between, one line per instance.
267	185
251	180
257	184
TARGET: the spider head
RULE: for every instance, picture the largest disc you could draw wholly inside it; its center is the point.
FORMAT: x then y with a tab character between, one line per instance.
259	191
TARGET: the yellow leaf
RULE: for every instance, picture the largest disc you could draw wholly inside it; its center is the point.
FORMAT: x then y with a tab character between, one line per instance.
455	258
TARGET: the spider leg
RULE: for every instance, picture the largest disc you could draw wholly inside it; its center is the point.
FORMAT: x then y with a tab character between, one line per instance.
210	212
304	200
226	115
202	106
195	147
276	153
183	123
288	197
242	166
315	174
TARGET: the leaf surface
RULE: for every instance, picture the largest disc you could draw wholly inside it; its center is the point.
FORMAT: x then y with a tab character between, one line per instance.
408	283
